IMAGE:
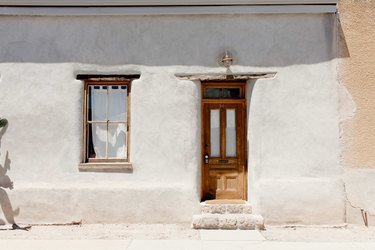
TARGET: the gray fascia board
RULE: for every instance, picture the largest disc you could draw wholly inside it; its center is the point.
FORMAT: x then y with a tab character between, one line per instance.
102	3
176	10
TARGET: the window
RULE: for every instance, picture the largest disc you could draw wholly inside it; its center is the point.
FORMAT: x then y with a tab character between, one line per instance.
106	122
223	93
217	90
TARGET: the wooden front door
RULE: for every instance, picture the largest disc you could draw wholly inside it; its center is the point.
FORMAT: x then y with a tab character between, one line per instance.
223	147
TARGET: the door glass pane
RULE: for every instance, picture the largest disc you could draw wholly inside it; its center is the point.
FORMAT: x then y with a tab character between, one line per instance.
116	103
231	133
215	132
213	93
231	93
117	140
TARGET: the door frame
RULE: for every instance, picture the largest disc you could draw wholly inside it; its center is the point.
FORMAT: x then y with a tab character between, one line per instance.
242	100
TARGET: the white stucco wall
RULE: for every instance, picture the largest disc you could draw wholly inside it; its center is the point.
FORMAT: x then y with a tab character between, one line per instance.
293	147
294	174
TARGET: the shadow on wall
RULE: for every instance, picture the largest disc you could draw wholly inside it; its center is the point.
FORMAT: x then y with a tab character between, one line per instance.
256	40
5	183
250	168
343	47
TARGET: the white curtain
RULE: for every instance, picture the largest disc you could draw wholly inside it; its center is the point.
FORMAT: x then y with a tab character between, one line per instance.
99	113
113	140
116	141
117	131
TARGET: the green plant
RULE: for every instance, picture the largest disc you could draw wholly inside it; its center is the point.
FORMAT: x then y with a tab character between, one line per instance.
3	122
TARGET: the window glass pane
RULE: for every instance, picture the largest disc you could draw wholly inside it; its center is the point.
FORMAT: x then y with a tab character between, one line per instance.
117	140
97	103
117	103
231	133
215	132
90	145
98	135
223	93
213	93
231	93
107	117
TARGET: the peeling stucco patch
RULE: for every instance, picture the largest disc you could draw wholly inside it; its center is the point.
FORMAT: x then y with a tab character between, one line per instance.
347	110
347	106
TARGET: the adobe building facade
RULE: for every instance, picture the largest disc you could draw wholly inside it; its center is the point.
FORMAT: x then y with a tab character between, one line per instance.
126	115
357	106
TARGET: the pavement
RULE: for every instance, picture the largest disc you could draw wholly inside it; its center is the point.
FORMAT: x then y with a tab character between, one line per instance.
176	245
207	240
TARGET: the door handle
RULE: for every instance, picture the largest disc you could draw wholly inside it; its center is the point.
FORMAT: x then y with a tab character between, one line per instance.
206	158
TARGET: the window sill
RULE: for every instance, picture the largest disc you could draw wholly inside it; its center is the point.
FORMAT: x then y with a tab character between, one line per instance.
119	167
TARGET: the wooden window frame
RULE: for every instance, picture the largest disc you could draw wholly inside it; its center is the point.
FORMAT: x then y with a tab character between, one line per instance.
103	165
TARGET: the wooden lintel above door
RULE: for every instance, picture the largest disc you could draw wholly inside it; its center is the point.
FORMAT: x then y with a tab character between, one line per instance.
224	76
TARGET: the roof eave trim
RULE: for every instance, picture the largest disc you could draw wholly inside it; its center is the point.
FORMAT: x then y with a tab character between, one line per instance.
176	10
94	3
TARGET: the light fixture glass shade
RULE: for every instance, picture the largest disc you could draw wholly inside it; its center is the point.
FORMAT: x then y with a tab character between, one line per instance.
227	60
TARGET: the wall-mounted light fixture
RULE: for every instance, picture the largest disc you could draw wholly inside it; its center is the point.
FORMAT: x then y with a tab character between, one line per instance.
227	60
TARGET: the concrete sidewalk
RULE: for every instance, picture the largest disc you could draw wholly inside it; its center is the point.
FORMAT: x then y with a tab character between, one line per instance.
215	240
173	245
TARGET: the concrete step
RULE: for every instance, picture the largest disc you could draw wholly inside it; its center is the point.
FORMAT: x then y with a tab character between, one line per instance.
226	208
228	221
227	216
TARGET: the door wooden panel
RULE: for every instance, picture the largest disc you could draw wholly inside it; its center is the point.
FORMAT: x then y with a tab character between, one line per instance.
223	149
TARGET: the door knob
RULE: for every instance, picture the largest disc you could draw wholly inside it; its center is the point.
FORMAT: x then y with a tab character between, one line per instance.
206	158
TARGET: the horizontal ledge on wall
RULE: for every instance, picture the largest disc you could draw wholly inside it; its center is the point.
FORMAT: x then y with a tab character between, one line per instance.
225	77
102	77
175	10
123	167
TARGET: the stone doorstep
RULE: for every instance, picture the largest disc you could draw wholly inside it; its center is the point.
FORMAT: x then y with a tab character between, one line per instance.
228	221
226	208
